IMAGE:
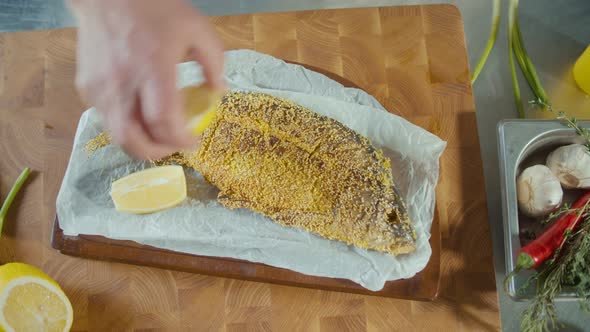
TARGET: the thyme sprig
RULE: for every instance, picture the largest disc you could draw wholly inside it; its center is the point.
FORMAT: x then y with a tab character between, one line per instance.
565	208
570	122
570	268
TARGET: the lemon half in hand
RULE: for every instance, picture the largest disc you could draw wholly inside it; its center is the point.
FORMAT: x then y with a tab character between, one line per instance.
31	301
150	190
200	103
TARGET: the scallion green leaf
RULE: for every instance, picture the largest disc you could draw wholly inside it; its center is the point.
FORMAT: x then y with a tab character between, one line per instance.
490	43
12	194
515	87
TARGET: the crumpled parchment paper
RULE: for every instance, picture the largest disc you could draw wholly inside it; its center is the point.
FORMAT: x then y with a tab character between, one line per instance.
202	226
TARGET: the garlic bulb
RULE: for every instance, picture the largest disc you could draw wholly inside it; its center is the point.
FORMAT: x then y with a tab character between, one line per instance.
538	190
571	165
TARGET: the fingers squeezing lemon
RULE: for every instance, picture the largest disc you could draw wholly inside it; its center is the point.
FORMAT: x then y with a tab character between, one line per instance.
200	106
159	188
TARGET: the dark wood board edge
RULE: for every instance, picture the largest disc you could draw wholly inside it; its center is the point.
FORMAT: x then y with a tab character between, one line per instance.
424	286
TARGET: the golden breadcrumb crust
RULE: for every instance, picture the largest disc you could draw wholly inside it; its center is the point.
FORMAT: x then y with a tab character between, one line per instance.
300	169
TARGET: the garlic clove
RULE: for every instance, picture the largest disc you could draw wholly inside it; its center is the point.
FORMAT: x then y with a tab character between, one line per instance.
538	191
571	165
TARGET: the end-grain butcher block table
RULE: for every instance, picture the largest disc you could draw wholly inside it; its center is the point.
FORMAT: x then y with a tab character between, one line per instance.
412	59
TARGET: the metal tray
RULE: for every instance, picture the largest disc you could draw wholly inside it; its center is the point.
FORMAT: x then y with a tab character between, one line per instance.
523	143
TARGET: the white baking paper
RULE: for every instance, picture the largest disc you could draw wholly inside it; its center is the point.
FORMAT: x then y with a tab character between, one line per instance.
202	226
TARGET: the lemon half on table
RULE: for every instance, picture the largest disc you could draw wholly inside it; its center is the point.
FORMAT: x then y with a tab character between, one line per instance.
200	104
31	301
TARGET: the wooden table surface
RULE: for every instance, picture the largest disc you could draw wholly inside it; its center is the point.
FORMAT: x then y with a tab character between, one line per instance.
39	111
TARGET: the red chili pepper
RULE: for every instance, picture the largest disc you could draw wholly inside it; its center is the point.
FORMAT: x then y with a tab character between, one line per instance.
538	250
541	248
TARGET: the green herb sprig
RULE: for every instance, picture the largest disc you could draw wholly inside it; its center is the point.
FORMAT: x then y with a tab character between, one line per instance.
565	208
570	269
572	122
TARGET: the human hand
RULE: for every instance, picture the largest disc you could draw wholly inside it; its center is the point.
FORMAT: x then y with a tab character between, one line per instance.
127	56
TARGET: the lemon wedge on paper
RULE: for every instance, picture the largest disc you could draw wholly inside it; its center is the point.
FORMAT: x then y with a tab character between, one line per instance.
150	190
31	301
200	103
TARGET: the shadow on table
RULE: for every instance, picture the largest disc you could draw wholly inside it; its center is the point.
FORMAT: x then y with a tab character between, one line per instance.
467	274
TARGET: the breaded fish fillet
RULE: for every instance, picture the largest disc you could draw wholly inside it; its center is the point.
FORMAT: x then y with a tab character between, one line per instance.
303	170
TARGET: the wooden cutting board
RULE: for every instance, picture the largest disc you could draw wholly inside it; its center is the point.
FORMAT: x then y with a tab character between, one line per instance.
423	286
412	59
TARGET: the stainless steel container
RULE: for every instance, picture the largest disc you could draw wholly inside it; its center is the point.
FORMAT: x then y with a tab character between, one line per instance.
523	143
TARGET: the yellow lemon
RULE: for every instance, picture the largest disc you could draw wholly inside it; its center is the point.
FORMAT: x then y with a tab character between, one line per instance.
150	190
582	71
31	301
200	103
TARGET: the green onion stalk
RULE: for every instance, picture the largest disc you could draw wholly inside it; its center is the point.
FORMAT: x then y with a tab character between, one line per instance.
12	194
512	14
490	43
518	50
